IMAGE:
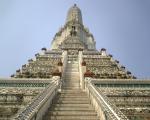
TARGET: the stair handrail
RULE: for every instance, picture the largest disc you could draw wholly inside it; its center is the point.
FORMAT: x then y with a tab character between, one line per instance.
38	107
110	111
80	67
64	60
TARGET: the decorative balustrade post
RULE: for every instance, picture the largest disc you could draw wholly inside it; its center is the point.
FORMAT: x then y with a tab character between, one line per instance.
60	66
43	50
103	52
87	80
82	68
64	61
57	78
83	64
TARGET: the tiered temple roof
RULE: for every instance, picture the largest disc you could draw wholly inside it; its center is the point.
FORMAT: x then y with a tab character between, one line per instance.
42	66
103	65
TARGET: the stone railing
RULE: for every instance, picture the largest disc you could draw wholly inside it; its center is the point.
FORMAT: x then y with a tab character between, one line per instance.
95	52
80	67
106	109
55	52
24	82
143	81
64	60
38	107
123	83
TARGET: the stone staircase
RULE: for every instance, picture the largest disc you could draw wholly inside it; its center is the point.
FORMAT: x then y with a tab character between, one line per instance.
71	103
71	80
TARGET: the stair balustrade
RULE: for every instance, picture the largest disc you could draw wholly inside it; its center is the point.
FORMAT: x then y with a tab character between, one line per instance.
37	108
106	109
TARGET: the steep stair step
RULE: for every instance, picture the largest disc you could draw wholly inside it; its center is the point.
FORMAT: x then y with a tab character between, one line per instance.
73	109
73	88
73	113
72	99
74	118
72	102
73	105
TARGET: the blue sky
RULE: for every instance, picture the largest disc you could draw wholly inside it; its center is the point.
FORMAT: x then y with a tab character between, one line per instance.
120	26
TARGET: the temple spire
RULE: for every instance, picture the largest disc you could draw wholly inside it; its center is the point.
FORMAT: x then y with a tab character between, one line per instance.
74	14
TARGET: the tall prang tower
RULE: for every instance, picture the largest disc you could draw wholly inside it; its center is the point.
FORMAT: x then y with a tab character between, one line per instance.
74	41
74	81
73	35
